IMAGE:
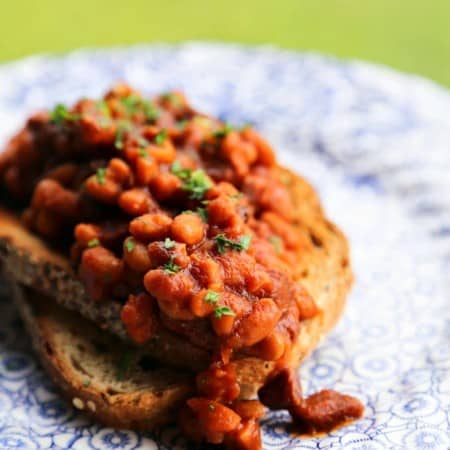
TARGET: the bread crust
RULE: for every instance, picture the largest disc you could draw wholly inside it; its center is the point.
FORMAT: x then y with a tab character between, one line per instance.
323	268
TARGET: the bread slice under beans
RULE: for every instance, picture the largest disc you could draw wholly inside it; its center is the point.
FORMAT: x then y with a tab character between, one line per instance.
323	268
115	383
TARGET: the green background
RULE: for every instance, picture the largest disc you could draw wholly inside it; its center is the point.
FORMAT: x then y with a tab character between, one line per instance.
411	35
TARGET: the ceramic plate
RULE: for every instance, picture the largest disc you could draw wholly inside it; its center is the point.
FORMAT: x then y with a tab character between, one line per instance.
376	144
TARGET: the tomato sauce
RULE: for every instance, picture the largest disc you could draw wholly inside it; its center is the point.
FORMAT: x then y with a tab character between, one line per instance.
184	220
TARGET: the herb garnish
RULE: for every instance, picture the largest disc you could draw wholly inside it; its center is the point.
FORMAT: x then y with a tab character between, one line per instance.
129	244
102	106
93	243
203	213
86	383
242	244
172	98
181	124
101	175
223	131
195	181
177	170
236	197
122	127
131	103
60	113
142	152
161	137
142	142
223	311
124	364
212	297
277	243
150	110
197	184
168	243
170	267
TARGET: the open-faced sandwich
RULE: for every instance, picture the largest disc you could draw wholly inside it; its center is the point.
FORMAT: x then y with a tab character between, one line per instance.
168	268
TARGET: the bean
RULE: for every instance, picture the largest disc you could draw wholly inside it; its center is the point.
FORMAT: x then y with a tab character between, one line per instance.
150	227
187	228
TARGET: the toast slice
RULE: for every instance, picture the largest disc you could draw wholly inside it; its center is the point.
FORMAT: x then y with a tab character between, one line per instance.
116	384
323	268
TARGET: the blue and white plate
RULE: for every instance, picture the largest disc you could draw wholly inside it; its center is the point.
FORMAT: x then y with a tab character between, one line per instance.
376	144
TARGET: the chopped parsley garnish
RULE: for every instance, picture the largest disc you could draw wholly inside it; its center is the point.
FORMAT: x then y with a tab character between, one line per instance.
143	153
103	108
129	244
142	142
195	181
101	175
172	98
168	244
212	297
223	131
242	244
124	364
151	111
237	196
177	170
277	243
181	124
170	267
135	103
197	184
93	243
223	311
60	113
131	103
86	383
121	129
161	137
203	214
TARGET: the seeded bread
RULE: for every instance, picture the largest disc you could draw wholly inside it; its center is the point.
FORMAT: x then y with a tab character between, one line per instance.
323	268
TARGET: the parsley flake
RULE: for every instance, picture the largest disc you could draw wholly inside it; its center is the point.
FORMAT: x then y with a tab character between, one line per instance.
203	213
223	131
161	137
60	113
142	152
212	297
172	98
223	311
121	129
168	244
142	142
130	244
131	103
170	267
101	175
177	170
93	243
151	111
86	383
102	106
197	184
195	181
242	244
277	243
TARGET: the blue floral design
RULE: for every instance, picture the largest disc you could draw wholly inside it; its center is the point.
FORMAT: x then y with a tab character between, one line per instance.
375	144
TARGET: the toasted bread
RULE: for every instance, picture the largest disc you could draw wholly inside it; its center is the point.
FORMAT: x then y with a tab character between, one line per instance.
323	268
116	384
